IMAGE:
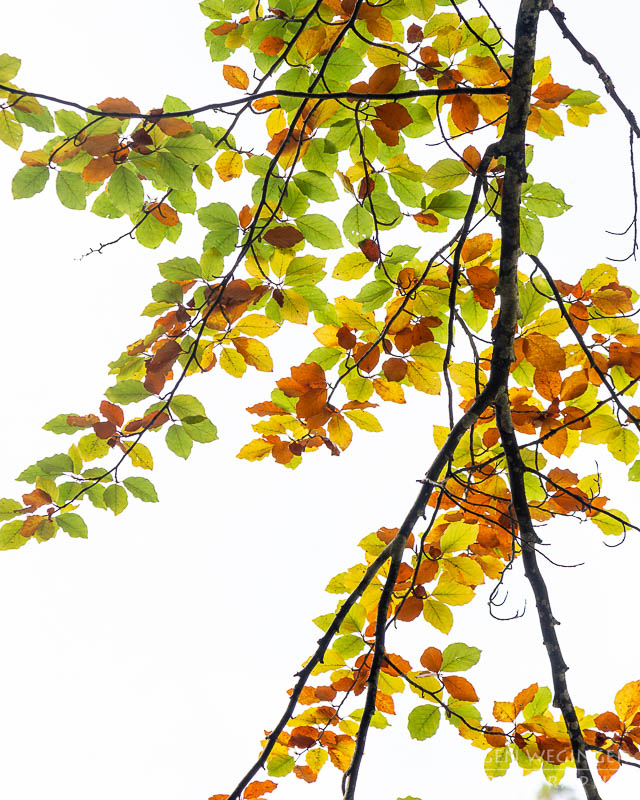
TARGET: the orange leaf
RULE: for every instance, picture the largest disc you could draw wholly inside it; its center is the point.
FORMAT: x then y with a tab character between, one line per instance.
548	384
495	736
478	245
164	213
265	103
574	385
431	659
236	77
544	353
311	403
608	721
115	104
411	608
384	703
384	79
245	216
258	788
472	158
425	219
99	169
223	30
366	360
305	773
607	766
370	249
524	697
460	688
464	113
271	45
31	525
394	116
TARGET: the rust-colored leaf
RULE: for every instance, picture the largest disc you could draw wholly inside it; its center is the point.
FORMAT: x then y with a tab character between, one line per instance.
366	357
150	421
552	94
548	384
244	217
464	113
82	422
607	766
236	77
31	525
112	412
424	218
271	45
394	116
384	79
608	721
386	134
414	34
472	158
574	385
104	430
460	688
346	338
305	773
100	145
524	697
370	249
411	608
174	126
495	736
311	403
283	237
224	29
394	369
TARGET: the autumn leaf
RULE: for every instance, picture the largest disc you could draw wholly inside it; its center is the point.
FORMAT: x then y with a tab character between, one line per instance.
113	105
236	77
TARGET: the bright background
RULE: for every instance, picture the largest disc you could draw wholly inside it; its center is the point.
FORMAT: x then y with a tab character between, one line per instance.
147	661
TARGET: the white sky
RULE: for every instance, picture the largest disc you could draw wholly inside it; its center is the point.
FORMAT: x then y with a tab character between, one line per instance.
147	661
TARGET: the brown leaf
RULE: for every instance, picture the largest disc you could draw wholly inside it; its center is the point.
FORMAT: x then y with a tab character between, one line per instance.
394	369
460	688
384	79
36	498
101	145
174	126
150	421
411	608
31	525
164	357
118	104
224	29
283	237
414	34
366	360
104	430
472	158
236	77
346	338
394	116
82	422
311	403
495	736
431	659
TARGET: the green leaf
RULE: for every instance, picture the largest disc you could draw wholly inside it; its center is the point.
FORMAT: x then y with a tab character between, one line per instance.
357	225
40	121
179	441
447	174
374	295
167	292
125	190
545	200
115	498
69	122
103	207
539	704
280	765
634	472
173	171
222	222
127	391
10	130
200	429
9	67
316	186
194	149
9	508
180	269
59	424
496	762
185	405
458	657
453	205
74	525
351	267
10	536
327	357
423	721
142	488
531	233
458	536
70	189
29	181
320	231
50	467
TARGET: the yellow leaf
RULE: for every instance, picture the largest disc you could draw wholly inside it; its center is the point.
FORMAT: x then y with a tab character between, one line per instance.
549	323
352	267
309	43
256	325
550	122
294	307
326	335
232	362
627	701
141	456
255	450
276	122
339	431
504	712
364	420
350	313
229	165
466	570
438	615
458	536
423	378
256	354
598	276
452	593
316	758
389	390
624	447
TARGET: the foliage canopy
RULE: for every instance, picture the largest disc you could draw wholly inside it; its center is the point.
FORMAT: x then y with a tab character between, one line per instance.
531	368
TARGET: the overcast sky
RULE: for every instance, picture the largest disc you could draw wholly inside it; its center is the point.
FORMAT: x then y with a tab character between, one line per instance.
147	661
